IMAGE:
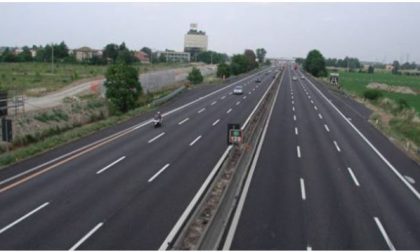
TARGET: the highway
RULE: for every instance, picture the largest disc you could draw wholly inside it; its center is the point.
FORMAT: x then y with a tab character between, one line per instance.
326	179
129	190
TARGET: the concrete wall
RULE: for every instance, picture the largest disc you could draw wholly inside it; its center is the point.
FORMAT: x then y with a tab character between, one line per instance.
155	81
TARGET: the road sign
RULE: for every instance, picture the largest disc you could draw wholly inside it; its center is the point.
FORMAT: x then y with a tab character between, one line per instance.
235	136
230	127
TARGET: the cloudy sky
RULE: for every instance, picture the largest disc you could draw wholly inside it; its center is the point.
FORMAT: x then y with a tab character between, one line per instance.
369	31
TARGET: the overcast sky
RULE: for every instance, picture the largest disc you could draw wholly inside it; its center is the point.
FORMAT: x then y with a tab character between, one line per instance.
369	31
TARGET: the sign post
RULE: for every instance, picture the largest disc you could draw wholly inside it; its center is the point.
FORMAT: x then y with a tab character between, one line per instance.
234	133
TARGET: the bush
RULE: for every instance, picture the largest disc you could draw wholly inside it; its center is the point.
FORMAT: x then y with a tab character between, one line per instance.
195	76
402	104
372	94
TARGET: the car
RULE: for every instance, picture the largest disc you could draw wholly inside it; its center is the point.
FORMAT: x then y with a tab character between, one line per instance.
302	77
258	80
294	78
238	90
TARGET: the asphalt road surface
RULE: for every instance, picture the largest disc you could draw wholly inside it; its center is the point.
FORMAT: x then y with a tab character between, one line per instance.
129	191
326	179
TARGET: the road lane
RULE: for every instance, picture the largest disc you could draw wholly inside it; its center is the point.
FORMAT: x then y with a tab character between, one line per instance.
81	199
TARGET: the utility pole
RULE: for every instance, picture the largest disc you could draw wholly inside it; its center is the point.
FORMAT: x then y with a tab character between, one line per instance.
52	58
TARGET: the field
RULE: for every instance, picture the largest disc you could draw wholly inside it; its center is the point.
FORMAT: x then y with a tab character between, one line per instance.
37	78
356	83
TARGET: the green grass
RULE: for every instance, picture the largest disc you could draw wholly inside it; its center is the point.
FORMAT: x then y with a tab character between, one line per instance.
25	77
356	83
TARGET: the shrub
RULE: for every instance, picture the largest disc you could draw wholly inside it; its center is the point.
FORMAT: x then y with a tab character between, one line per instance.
402	104
372	94
195	76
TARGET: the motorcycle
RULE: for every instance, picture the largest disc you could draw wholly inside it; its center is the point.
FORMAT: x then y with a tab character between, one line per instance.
157	122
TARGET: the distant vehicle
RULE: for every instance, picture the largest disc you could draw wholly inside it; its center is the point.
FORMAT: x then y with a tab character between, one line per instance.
302	77
238	90
258	80
294	78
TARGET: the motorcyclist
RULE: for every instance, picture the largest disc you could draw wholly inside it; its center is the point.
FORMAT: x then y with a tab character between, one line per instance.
158	116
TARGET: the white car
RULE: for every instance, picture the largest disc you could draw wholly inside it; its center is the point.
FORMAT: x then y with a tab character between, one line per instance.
238	90
294	78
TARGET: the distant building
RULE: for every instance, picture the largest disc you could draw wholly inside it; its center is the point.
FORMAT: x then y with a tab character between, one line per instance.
389	67
195	41
85	53
142	57
33	53
172	56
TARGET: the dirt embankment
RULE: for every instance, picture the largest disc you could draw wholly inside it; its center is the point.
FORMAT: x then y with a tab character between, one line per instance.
394	89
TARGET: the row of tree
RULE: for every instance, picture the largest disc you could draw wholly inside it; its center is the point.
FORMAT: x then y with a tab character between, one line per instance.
347	62
240	63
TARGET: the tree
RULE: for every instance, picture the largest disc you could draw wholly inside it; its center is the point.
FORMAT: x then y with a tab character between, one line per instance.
239	64
261	52
371	69
8	56
147	51
223	70
25	55
315	64
299	61
395	67
211	57
122	86
162	58
111	52
251	58
195	76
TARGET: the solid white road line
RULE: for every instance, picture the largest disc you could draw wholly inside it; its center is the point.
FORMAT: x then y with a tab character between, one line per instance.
158	173
337	147
216	122
195	140
169	239
237	103
293	108
201	110
353	177
91	232
294	117
393	169
181	122
298	151
320	116
296	131
315	107
110	165
156	137
23	217
384	234
302	188
229	110
326	128
213	103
